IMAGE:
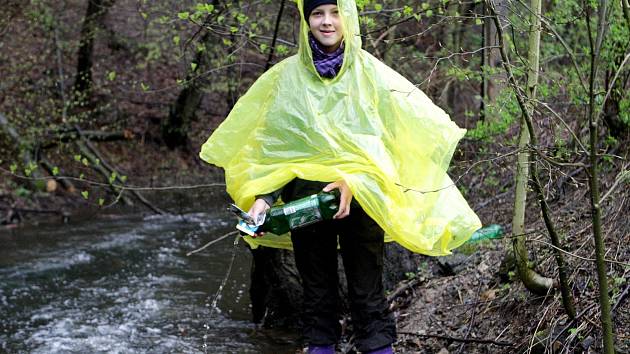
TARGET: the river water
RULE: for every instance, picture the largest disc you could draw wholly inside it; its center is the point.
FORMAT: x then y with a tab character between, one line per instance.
125	285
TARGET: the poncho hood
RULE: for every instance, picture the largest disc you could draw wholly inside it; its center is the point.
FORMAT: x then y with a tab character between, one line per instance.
351	35
368	126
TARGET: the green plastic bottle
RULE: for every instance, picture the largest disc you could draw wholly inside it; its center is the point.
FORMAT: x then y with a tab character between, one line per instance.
489	232
298	213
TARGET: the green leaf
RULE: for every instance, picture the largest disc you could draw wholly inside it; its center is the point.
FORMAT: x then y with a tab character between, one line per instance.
82	176
241	18
85	194
144	86
193	66
478	22
208	8
77	158
55	171
176	40
378	7
101	201
85	162
429	13
13	168
111	76
123	179
425	5
112	177
407	10
183	15
282	49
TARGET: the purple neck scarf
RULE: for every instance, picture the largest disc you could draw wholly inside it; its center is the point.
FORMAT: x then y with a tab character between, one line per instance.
327	64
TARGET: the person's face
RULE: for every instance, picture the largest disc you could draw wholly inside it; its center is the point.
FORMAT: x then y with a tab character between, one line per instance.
326	26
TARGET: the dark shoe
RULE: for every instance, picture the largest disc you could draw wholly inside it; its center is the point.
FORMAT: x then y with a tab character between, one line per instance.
321	349
384	350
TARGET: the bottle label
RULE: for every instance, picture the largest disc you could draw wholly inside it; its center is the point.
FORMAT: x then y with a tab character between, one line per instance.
303	213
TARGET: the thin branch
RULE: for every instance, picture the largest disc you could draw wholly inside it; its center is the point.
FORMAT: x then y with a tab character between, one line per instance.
199	76
575	255
622	176
554	113
117	186
428	79
408	189
551	28
275	36
457	339
612	83
212	242
624	293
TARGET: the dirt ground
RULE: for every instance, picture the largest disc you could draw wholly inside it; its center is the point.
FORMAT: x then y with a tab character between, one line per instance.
473	302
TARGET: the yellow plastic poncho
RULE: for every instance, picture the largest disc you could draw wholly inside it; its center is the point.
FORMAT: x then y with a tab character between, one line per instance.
368	126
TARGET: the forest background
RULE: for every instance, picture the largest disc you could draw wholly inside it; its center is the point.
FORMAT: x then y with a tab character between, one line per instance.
104	104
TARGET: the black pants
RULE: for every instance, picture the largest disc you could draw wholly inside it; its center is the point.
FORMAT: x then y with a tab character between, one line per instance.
361	245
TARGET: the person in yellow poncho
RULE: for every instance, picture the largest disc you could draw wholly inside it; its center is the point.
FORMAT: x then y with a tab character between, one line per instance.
333	116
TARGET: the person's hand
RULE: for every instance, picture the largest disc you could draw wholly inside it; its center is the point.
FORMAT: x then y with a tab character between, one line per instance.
344	199
260	206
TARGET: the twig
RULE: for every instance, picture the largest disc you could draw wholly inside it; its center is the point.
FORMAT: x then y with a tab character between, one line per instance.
212	242
624	293
401	288
471	323
620	177
562	41
576	256
117	186
542	319
275	36
457	339
612	83
407	189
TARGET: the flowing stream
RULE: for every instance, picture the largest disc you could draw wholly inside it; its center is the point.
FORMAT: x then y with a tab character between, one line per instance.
125	285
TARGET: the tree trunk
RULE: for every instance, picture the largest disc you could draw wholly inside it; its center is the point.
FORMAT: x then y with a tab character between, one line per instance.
529	277
96	10
593	178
